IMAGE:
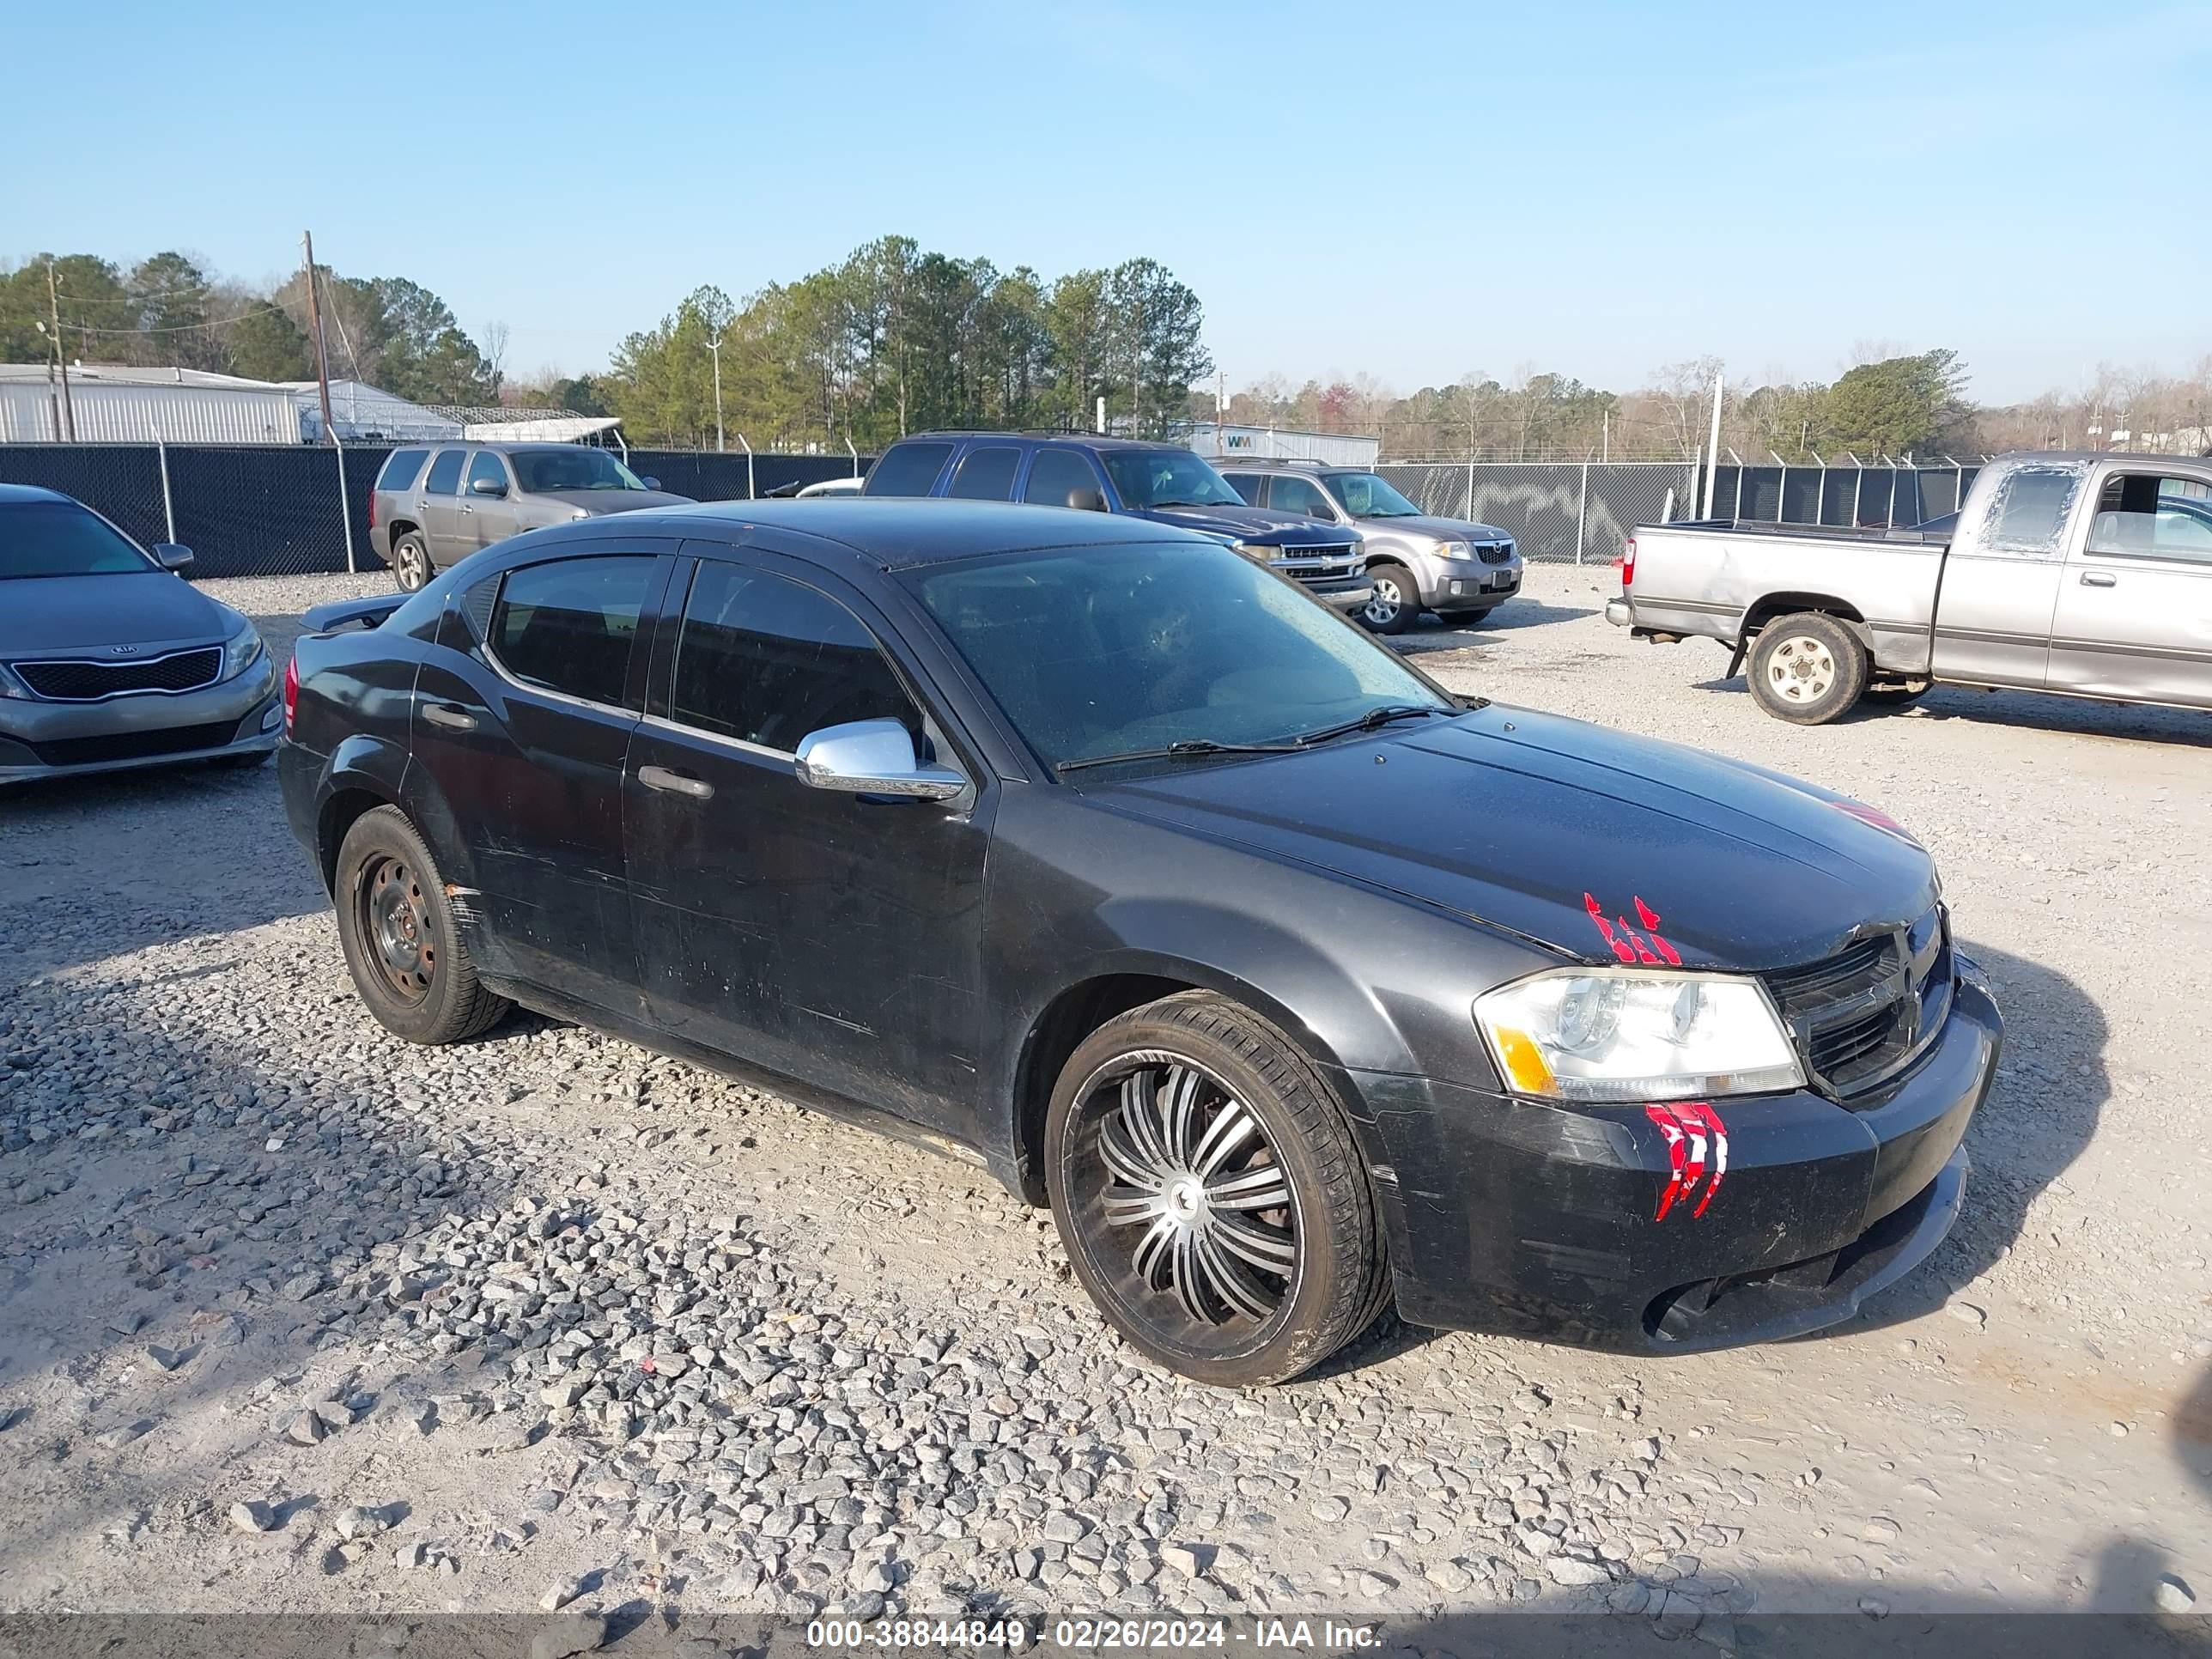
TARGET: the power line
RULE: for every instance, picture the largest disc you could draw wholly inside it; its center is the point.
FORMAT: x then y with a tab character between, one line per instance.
170	328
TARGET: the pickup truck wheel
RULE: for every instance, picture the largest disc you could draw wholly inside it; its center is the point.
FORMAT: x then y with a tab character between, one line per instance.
397	929
1807	668
1397	601
1210	1195
410	562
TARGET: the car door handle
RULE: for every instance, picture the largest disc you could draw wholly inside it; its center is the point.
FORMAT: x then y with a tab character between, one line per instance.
2098	579
445	714
468	510
675	783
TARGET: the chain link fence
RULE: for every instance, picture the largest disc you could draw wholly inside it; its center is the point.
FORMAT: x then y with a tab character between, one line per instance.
294	509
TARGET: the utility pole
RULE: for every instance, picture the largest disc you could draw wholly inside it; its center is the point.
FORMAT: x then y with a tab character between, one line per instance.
714	345
61	357
315	317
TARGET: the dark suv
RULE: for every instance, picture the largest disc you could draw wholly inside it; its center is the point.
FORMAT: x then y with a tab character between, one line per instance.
1159	481
434	504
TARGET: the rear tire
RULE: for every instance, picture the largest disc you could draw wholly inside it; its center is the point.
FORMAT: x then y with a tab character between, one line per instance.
1807	668
1396	604
397	927
1210	1195
410	562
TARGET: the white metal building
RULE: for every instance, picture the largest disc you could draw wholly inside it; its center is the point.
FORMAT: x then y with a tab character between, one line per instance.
1277	443
136	405
367	414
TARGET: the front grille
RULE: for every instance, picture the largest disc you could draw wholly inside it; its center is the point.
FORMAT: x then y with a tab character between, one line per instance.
88	682
1863	1014
1494	552
134	746
1324	563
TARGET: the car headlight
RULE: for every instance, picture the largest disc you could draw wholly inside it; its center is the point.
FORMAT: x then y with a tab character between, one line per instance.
12	686
242	649
1610	1034
1455	551
1259	550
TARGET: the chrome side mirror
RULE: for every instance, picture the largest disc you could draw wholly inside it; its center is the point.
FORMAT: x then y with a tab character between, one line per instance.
871	758
486	487
171	557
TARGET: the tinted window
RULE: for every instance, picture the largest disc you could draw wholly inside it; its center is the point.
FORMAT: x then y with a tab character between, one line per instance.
2029	510
401	469
1292	494
766	661
445	473
486	468
907	470
1246	485
60	539
1166	477
1053	473
568	626
986	475
572	466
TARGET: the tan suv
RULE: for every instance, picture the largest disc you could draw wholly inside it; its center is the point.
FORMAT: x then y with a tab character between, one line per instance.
436	504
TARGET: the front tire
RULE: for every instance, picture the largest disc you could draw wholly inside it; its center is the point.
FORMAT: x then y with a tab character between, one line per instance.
1807	668
410	562
1396	601
397	927
1209	1193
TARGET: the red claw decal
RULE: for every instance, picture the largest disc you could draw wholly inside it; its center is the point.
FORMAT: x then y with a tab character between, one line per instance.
1643	913
1647	947
1621	948
1697	1147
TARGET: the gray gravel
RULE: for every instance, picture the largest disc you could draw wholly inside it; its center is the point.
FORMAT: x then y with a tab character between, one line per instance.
297	1315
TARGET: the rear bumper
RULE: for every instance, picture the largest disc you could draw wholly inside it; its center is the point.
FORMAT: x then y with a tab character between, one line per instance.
1620	613
1554	1222
66	739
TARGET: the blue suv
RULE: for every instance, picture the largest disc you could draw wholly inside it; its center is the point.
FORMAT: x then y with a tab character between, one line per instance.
1156	481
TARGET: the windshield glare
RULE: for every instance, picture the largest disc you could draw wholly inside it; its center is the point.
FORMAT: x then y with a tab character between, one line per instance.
1365	495
1107	650
60	539
1167	478
540	471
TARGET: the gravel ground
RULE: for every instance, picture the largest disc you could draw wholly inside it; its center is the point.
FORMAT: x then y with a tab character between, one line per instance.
299	1318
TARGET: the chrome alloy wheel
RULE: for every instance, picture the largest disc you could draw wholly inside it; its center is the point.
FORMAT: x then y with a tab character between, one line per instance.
1196	1201
1801	669
1388	602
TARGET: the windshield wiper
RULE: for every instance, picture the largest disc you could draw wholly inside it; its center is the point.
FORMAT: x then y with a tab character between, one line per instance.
1373	719
1182	749
1238	502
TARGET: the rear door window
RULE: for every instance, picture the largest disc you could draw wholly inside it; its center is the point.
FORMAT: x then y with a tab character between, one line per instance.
907	470
445	477
1247	485
401	468
1053	474
987	474
568	626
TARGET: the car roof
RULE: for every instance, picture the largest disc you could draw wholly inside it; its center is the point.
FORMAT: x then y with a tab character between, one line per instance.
893	532
12	494
1087	439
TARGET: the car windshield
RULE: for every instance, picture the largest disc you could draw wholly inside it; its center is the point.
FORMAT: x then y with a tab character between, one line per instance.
1166	477
1365	495
60	539
1108	651
572	468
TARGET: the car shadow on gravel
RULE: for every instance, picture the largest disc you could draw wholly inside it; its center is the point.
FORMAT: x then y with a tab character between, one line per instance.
2024	711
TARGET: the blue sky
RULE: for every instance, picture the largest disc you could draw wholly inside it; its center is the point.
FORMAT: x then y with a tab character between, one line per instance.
1414	191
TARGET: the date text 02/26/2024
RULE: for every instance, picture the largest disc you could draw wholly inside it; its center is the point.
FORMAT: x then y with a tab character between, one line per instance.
1091	1635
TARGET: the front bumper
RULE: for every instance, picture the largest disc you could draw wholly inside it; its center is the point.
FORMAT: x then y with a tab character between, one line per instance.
40	739
1547	1221
1347	594
1456	585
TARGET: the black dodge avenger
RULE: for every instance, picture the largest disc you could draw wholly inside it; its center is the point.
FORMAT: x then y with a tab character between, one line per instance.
1087	849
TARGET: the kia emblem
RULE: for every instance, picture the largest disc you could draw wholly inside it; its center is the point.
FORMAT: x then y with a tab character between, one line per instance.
123	650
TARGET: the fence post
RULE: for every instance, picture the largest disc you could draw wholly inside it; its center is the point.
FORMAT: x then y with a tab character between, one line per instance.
168	507
1582	511
751	494
345	506
1469	514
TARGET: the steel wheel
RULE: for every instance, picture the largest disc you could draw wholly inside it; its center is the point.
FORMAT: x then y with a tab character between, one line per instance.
395	916
1801	669
1392	608
411	562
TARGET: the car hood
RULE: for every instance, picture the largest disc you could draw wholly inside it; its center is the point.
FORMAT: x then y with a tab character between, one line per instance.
54	615
599	502
1252	523
1521	820
1444	530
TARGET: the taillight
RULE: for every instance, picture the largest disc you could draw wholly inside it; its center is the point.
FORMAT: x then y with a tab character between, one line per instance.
1628	562
291	692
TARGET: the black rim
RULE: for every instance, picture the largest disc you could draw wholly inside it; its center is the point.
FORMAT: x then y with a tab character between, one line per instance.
394	925
1185	1212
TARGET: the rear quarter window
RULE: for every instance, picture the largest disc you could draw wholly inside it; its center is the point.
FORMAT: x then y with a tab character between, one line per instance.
907	470
401	468
2027	515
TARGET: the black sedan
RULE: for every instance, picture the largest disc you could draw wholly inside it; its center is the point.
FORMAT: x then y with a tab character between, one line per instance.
1091	851
108	661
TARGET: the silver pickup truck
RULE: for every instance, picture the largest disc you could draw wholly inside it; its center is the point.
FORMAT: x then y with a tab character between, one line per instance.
2088	574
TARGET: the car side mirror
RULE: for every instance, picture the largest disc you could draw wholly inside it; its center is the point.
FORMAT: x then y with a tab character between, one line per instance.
650	484
1085	499
171	557
486	487
873	757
